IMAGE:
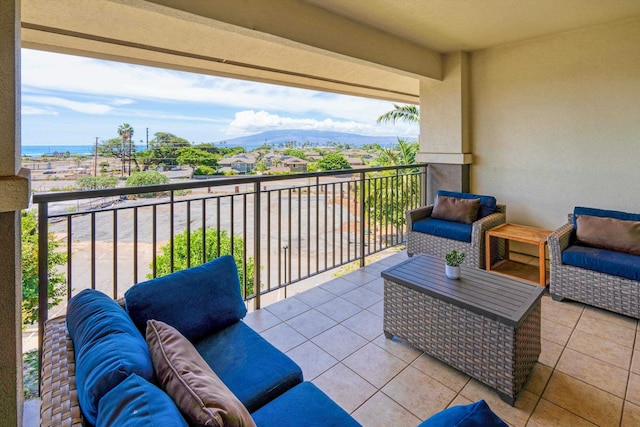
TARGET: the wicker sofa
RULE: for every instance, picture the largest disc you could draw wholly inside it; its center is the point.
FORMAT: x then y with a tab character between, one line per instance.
601	277
95	355
437	239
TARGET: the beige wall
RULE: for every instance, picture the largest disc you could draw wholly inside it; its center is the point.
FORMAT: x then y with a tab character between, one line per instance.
555	123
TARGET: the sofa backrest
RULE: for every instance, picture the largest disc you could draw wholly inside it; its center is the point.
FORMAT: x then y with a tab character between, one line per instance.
487	203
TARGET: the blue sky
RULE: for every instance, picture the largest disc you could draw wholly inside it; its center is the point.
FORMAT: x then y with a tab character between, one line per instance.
71	100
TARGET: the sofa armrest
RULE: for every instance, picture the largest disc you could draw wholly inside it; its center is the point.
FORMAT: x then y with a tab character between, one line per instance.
488	222
59	403
558	241
417	214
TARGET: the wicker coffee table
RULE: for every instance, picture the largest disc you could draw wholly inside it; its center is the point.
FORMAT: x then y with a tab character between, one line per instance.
484	324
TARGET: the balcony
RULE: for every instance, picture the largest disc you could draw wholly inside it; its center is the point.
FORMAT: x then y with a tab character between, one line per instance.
587	373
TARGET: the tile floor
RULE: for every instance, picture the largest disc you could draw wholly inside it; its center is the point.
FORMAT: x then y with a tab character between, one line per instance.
588	372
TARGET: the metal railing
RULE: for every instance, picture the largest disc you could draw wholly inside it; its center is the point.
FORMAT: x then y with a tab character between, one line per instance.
280	229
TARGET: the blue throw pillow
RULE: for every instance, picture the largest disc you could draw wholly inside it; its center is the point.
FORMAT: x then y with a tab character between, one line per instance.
195	301
488	204
108	348
138	403
476	414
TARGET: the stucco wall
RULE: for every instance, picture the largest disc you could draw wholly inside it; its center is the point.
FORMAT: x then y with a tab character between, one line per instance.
555	123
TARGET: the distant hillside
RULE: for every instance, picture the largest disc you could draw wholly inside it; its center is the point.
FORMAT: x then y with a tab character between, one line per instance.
316	137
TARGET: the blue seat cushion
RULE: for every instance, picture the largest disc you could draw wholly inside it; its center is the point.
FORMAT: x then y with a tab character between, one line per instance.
488	204
477	414
108	348
604	261
447	229
602	213
195	301
253	369
303	405
137	403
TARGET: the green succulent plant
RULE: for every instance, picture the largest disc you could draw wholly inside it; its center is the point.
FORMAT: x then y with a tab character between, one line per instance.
454	258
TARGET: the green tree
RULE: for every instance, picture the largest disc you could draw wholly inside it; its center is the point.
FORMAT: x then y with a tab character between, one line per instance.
57	280
147	178
333	161
194	157
295	152
96	182
166	146
405	113
180	250
404	153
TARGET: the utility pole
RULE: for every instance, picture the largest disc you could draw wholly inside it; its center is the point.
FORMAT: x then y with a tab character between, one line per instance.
147	138
95	161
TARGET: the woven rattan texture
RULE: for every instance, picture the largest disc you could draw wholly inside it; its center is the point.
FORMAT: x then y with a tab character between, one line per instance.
601	290
422	243
495	354
59	404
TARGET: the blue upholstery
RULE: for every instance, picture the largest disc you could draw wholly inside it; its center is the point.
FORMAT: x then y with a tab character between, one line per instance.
138	403
195	301
442	228
487	203
476	414
108	348
303	405
604	261
253	369
602	213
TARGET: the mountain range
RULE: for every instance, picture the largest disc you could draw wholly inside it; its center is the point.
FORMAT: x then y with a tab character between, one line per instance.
315	137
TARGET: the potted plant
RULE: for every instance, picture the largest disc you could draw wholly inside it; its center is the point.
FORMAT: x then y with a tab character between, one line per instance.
453	260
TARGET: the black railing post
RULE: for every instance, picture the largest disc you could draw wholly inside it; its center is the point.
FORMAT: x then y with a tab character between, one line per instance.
423	185
256	243
43	277
362	223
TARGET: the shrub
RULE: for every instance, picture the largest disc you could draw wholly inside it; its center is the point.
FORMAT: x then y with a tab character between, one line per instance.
163	261
147	178
29	229
204	170
96	182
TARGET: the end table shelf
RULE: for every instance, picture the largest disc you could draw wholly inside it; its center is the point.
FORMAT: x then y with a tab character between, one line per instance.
523	234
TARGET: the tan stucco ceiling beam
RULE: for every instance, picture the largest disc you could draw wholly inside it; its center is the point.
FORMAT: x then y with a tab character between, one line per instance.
306	26
139	32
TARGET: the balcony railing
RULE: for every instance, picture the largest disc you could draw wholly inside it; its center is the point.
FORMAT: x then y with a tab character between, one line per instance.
280	229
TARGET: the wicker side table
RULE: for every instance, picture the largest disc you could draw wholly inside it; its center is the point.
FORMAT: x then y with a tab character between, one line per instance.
486	325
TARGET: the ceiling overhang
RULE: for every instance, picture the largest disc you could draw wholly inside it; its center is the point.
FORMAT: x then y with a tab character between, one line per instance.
196	37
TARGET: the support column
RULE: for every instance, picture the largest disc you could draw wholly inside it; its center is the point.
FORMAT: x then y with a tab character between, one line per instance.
444	127
14	193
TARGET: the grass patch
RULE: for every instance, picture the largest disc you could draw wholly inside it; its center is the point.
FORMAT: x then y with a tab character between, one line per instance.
30	374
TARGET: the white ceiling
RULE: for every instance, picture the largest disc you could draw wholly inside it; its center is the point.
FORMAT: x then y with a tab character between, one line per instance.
452	25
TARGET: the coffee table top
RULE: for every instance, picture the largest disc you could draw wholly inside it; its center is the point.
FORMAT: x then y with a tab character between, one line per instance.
497	297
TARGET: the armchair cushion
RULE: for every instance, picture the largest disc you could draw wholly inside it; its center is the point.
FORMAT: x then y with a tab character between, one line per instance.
457	210
447	229
604	261
487	203
195	301
609	233
108	348
275	374
136	402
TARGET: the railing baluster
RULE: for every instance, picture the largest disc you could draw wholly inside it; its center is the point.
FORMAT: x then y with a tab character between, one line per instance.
115	254
171	227
154	232
256	244
93	250
69	257
188	233
135	244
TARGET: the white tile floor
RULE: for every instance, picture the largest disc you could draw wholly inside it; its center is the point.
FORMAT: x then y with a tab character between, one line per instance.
588	373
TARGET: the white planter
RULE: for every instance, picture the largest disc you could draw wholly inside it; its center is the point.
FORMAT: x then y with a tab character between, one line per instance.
452	272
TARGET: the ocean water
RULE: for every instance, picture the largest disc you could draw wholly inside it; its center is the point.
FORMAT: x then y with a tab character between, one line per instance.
49	150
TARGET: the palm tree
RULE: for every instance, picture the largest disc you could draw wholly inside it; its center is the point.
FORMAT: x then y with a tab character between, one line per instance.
406	113
126	132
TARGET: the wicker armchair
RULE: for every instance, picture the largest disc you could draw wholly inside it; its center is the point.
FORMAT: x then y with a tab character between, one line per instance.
423	243
613	293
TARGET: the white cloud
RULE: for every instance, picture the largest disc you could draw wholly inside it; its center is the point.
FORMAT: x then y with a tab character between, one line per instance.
249	122
28	110
122	101
81	107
